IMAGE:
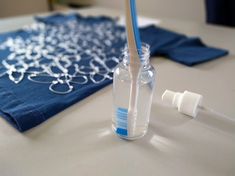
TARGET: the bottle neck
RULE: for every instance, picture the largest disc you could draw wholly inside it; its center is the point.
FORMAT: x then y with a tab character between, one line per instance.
141	58
143	62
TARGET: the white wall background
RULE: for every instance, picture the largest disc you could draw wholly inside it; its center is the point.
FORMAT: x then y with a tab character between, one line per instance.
20	7
184	9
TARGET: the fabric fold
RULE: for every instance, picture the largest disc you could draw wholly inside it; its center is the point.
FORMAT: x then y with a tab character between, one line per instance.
19	114
180	48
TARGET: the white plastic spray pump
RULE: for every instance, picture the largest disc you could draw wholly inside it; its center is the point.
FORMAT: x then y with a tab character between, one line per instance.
188	103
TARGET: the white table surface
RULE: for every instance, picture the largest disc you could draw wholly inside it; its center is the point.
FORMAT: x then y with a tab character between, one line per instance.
79	140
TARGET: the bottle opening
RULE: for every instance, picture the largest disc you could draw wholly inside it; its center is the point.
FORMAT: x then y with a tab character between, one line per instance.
143	54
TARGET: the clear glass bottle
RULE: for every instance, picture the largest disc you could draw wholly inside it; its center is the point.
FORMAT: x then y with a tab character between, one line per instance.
133	125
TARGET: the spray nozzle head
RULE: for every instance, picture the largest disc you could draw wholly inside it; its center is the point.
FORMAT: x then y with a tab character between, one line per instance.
186	102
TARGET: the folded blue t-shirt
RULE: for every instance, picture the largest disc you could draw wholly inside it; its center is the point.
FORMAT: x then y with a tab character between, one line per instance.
61	59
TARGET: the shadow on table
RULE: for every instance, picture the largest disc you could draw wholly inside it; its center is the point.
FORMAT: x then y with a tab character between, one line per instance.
170	129
168	132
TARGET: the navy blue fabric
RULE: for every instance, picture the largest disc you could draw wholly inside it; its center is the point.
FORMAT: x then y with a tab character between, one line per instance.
221	12
178	47
28	104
